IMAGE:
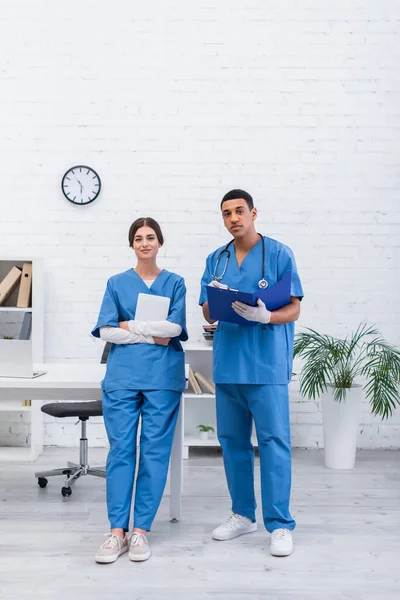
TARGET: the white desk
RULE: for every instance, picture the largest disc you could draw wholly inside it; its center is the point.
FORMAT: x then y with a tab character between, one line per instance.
81	381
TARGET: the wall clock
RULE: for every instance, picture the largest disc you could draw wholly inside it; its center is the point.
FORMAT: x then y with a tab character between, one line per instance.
81	185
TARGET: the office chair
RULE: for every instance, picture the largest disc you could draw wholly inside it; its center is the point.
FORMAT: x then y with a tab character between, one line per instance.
82	410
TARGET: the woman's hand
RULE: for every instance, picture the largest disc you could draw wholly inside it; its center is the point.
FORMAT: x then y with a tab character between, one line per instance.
161	341
124	325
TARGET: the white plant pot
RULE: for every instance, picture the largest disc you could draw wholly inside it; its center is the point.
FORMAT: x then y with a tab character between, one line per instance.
204	435
340	422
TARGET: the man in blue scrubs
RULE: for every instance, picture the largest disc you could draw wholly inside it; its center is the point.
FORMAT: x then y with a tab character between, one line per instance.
252	369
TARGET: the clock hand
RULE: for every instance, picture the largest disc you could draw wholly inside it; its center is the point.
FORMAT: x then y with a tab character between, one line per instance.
79	184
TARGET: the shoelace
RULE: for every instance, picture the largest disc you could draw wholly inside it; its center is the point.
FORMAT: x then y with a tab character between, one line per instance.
280	534
233	520
111	541
138	539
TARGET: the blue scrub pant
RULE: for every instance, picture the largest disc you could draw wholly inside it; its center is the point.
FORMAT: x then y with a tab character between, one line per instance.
268	406
121	410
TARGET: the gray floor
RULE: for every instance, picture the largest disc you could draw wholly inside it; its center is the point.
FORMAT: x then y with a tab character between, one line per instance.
347	538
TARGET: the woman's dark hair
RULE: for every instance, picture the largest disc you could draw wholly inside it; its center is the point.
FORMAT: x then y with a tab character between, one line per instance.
145	222
235	194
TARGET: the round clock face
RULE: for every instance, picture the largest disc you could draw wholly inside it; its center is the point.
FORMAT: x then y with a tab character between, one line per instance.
81	185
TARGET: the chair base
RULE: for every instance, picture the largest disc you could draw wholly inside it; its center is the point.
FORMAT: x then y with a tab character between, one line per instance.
73	471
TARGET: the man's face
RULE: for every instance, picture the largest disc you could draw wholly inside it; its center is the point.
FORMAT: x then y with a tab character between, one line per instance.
238	218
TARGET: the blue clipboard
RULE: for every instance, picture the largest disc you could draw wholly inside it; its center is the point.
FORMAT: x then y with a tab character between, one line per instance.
274	297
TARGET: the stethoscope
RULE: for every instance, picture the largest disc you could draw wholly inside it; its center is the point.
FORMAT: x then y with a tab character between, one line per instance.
262	284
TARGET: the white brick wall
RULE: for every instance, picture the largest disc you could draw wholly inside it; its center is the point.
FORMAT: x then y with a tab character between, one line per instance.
174	103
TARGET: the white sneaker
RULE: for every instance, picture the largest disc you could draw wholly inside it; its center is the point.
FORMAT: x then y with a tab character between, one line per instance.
281	542
234	526
111	548
139	548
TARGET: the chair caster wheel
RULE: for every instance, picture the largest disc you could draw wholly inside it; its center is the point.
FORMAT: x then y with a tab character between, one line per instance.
42	482
66	491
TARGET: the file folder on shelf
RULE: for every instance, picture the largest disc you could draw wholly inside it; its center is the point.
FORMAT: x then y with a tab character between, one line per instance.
26	328
9	284
274	297
194	383
25	287
210	387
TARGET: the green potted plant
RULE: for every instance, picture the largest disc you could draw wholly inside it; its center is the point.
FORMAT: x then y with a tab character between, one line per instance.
205	430
330	371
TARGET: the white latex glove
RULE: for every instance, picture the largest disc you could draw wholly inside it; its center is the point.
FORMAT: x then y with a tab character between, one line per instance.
259	313
217	284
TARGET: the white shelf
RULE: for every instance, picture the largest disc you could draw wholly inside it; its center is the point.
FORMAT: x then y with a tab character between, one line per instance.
193	440
13	319
196	441
199	346
8	454
12	406
14	309
199	396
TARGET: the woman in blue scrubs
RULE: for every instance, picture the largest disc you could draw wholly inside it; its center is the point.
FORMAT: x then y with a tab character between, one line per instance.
145	377
252	369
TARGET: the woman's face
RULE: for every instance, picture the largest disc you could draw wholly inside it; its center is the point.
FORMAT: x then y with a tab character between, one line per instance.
146	244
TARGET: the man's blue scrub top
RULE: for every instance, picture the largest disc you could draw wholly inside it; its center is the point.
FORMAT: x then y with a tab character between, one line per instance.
262	354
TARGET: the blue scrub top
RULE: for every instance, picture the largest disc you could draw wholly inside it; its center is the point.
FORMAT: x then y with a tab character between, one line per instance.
262	354
143	366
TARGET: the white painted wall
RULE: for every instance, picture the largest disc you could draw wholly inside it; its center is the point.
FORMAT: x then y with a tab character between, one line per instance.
174	103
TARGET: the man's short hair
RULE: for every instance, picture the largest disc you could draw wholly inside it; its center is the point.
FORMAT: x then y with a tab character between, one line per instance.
235	194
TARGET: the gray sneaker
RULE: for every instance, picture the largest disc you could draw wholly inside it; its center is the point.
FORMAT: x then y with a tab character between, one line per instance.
139	548
112	547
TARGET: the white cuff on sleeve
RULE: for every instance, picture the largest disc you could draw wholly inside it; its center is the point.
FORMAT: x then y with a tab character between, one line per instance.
117	335
164	329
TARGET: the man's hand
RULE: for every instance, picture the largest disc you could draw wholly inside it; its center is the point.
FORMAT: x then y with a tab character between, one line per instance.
217	284
124	325
161	341
259	313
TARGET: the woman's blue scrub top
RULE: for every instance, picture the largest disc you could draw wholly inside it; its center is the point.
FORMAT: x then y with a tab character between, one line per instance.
143	366
262	354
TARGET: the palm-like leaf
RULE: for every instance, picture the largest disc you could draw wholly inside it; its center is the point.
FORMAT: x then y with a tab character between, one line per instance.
336	362
315	376
363	330
382	370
